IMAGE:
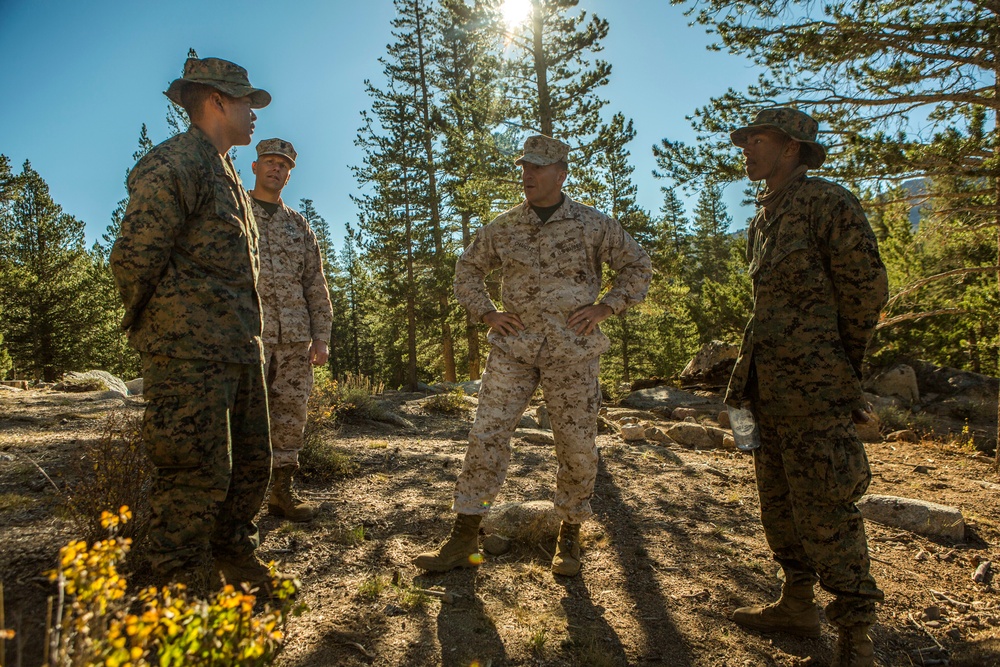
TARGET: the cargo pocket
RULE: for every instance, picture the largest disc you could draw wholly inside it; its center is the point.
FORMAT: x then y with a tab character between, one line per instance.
849	474
177	424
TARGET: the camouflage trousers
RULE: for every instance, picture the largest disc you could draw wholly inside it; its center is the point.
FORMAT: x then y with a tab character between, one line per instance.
573	397
289	380
205	431
810	473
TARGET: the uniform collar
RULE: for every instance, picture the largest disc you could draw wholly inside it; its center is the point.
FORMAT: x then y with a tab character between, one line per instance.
568	209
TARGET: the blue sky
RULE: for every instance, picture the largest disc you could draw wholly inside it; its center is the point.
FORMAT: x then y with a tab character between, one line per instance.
80	78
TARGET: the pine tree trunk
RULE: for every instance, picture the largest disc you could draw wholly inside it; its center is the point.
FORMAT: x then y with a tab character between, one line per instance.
447	343
541	69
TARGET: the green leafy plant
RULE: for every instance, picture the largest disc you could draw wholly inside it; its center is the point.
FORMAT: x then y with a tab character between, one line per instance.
96	621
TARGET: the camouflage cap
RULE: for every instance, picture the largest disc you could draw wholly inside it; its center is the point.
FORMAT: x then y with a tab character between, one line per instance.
542	150
276	147
791	122
222	75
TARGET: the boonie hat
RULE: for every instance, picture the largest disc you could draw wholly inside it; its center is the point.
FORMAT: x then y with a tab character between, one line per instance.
542	150
222	75
276	147
791	122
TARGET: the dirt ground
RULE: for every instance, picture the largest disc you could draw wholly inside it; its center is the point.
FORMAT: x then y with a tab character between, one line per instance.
674	546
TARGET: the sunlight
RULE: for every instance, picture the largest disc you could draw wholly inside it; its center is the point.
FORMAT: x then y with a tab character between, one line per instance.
515	12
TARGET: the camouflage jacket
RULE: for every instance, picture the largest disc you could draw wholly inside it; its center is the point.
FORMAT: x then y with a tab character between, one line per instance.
818	287
292	285
186	259
548	271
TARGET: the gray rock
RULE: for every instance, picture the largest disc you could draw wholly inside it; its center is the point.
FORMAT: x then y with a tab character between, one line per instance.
899	381
906	435
916	516
496	545
696	436
870	431
712	365
542	417
655	434
75	381
536	436
664	398
471	386
682	414
633	432
527	421
530	522
135	387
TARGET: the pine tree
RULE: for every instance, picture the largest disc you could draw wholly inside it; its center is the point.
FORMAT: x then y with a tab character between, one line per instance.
45	292
478	178
177	118
718	299
555	79
616	195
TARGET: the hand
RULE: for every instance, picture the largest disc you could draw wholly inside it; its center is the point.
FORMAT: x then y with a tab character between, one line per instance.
509	324
319	352
861	415
584	320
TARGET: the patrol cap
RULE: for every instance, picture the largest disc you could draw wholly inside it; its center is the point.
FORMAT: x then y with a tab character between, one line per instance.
276	147
791	122
542	150
222	75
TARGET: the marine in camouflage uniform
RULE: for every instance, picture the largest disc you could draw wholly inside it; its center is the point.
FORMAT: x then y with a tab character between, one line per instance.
818	287
186	265
550	250
297	318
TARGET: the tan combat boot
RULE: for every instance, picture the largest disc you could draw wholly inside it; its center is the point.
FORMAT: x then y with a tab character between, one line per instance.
854	647
283	501
248	569
461	549
567	558
794	613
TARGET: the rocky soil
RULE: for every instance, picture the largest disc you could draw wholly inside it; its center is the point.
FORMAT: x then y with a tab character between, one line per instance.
674	546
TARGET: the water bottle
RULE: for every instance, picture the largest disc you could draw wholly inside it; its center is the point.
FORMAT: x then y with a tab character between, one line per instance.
744	427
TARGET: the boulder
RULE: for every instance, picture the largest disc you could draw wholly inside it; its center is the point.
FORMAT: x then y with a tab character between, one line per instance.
92	381
869	431
542	417
681	414
711	366
664	399
917	516
655	434
527	421
696	436
633	432
899	381
135	387
906	435
529	522
471	387
535	436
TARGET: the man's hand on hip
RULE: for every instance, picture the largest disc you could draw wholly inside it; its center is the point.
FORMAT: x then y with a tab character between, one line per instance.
584	320
509	324
319	352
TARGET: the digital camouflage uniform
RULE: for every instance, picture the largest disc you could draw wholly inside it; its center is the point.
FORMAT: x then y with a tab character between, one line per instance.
186	264
548	271
297	311
818	287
